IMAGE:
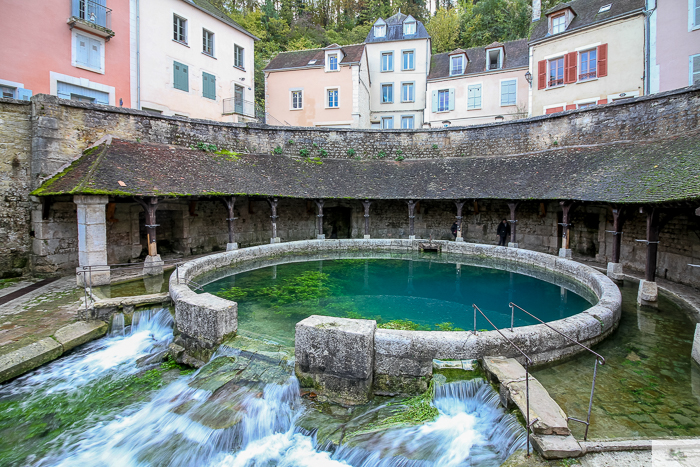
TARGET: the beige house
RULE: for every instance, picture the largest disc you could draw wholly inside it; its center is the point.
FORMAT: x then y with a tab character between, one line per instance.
478	85
190	59
586	52
398	55
318	87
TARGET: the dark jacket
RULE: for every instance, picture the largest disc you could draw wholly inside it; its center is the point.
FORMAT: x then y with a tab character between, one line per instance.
454	229
503	230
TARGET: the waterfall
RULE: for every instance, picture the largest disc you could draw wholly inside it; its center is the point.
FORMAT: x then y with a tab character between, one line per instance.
117	326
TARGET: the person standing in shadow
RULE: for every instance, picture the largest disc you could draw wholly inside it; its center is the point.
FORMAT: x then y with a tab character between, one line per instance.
503	231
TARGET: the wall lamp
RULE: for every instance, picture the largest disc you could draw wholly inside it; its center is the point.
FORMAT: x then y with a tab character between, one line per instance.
528	78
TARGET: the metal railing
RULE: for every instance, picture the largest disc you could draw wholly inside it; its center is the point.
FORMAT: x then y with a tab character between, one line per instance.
528	362
92	12
598	359
236	106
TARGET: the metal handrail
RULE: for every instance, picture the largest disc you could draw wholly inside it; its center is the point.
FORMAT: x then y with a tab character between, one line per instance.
599	359
528	362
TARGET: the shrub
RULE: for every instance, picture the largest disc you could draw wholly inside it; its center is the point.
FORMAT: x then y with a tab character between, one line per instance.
381	155
351	152
277	150
290	142
400	158
435	146
324	153
304	152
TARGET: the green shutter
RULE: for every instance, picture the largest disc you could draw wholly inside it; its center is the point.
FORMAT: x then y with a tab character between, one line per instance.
181	76
208	86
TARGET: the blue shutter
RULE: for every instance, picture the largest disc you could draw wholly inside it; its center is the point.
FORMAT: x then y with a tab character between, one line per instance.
208	86
435	101
95	55
82	49
181	76
452	98
24	94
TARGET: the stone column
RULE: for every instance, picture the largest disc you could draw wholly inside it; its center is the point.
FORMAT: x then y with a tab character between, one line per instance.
565	250
366	203
152	265
319	217
460	205
229	202
615	267
648	291
273	207
92	240
411	218
513	225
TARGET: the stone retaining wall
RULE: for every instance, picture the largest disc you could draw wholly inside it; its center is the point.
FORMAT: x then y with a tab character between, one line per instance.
402	360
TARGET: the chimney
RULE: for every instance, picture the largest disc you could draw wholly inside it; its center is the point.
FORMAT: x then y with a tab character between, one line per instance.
536	10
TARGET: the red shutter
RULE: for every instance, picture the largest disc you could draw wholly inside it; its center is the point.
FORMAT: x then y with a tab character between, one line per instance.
602	101
553	110
570	106
542	74
602	60
570	62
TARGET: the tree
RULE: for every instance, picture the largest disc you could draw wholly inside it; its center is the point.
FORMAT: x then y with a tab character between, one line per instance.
444	30
495	20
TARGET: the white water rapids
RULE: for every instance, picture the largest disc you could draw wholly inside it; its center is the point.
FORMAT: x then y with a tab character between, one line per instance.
174	426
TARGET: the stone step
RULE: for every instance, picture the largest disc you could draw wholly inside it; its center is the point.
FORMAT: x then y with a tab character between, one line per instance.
556	447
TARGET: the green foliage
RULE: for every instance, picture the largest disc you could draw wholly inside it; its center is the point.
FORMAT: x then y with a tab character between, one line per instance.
323	152
303	152
381	155
228	155
399	158
400	325
277	150
444	30
202	146
310	285
314	145
435	146
290	142
351	152
447	327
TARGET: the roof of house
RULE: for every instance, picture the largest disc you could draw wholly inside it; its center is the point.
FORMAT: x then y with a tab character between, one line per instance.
394	30
207	7
586	13
301	58
516	55
652	171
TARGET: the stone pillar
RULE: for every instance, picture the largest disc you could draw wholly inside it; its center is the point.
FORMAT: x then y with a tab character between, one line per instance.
152	265
229	202
460	205
565	250
513	225
615	267
696	345
366	203
319	221
273	207
648	291
92	240
411	218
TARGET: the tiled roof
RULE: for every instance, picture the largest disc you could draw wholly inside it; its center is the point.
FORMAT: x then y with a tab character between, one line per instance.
516	55
623	172
215	12
394	30
301	58
586	14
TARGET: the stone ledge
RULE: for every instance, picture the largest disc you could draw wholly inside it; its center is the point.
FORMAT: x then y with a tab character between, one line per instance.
29	357
79	333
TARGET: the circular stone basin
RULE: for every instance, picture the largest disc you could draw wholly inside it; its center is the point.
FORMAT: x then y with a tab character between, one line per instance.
401	291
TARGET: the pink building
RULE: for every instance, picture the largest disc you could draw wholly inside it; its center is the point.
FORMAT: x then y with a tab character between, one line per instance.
674	44
74	49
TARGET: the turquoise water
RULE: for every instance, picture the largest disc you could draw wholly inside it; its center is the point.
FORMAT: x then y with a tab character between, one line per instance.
432	295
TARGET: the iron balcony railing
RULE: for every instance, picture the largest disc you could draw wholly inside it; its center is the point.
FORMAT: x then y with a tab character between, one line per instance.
236	106
95	12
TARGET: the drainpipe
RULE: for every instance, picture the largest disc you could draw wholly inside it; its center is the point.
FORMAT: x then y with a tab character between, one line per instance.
138	56
647	47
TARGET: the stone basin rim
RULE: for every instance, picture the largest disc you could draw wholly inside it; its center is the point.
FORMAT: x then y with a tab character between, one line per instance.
541	343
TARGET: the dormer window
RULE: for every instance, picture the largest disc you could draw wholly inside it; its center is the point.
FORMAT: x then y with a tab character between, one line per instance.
380	30
494	59
333	62
409	26
558	23
456	65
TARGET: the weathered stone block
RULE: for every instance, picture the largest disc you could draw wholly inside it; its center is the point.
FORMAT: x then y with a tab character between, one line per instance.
206	317
29	357
615	271
565	253
153	265
696	345
336	356
79	333
556	447
648	293
231	246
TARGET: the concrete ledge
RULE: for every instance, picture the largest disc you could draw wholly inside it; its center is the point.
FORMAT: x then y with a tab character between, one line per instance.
29	357
103	309
79	333
616	445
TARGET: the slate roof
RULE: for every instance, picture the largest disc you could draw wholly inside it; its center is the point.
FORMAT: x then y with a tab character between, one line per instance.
215	12
586	14
622	172
301	58
516	55
394	30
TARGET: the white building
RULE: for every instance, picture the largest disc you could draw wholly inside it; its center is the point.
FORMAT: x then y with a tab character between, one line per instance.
190	59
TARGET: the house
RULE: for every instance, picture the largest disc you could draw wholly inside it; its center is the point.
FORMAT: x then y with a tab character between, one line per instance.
82	52
193	61
586	52
674	44
326	87
398	54
478	85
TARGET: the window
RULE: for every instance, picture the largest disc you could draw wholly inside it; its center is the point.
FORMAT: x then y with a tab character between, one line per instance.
333	62
387	93
556	72
333	98
605	8
380	31
407	93
152	111
474	96
493	59
388	61
296	100
407	122
238	57
88	52
508	92
312	62
409	28
80	98
585	105
208	86
179	29
408	60
7	92
443	100
588	65
456	65
238	98
558	24
80	93
694	13
694	69
208	42
388	123
181	79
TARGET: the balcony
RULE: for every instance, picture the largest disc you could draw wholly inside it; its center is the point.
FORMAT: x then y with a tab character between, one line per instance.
92	16
237	106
